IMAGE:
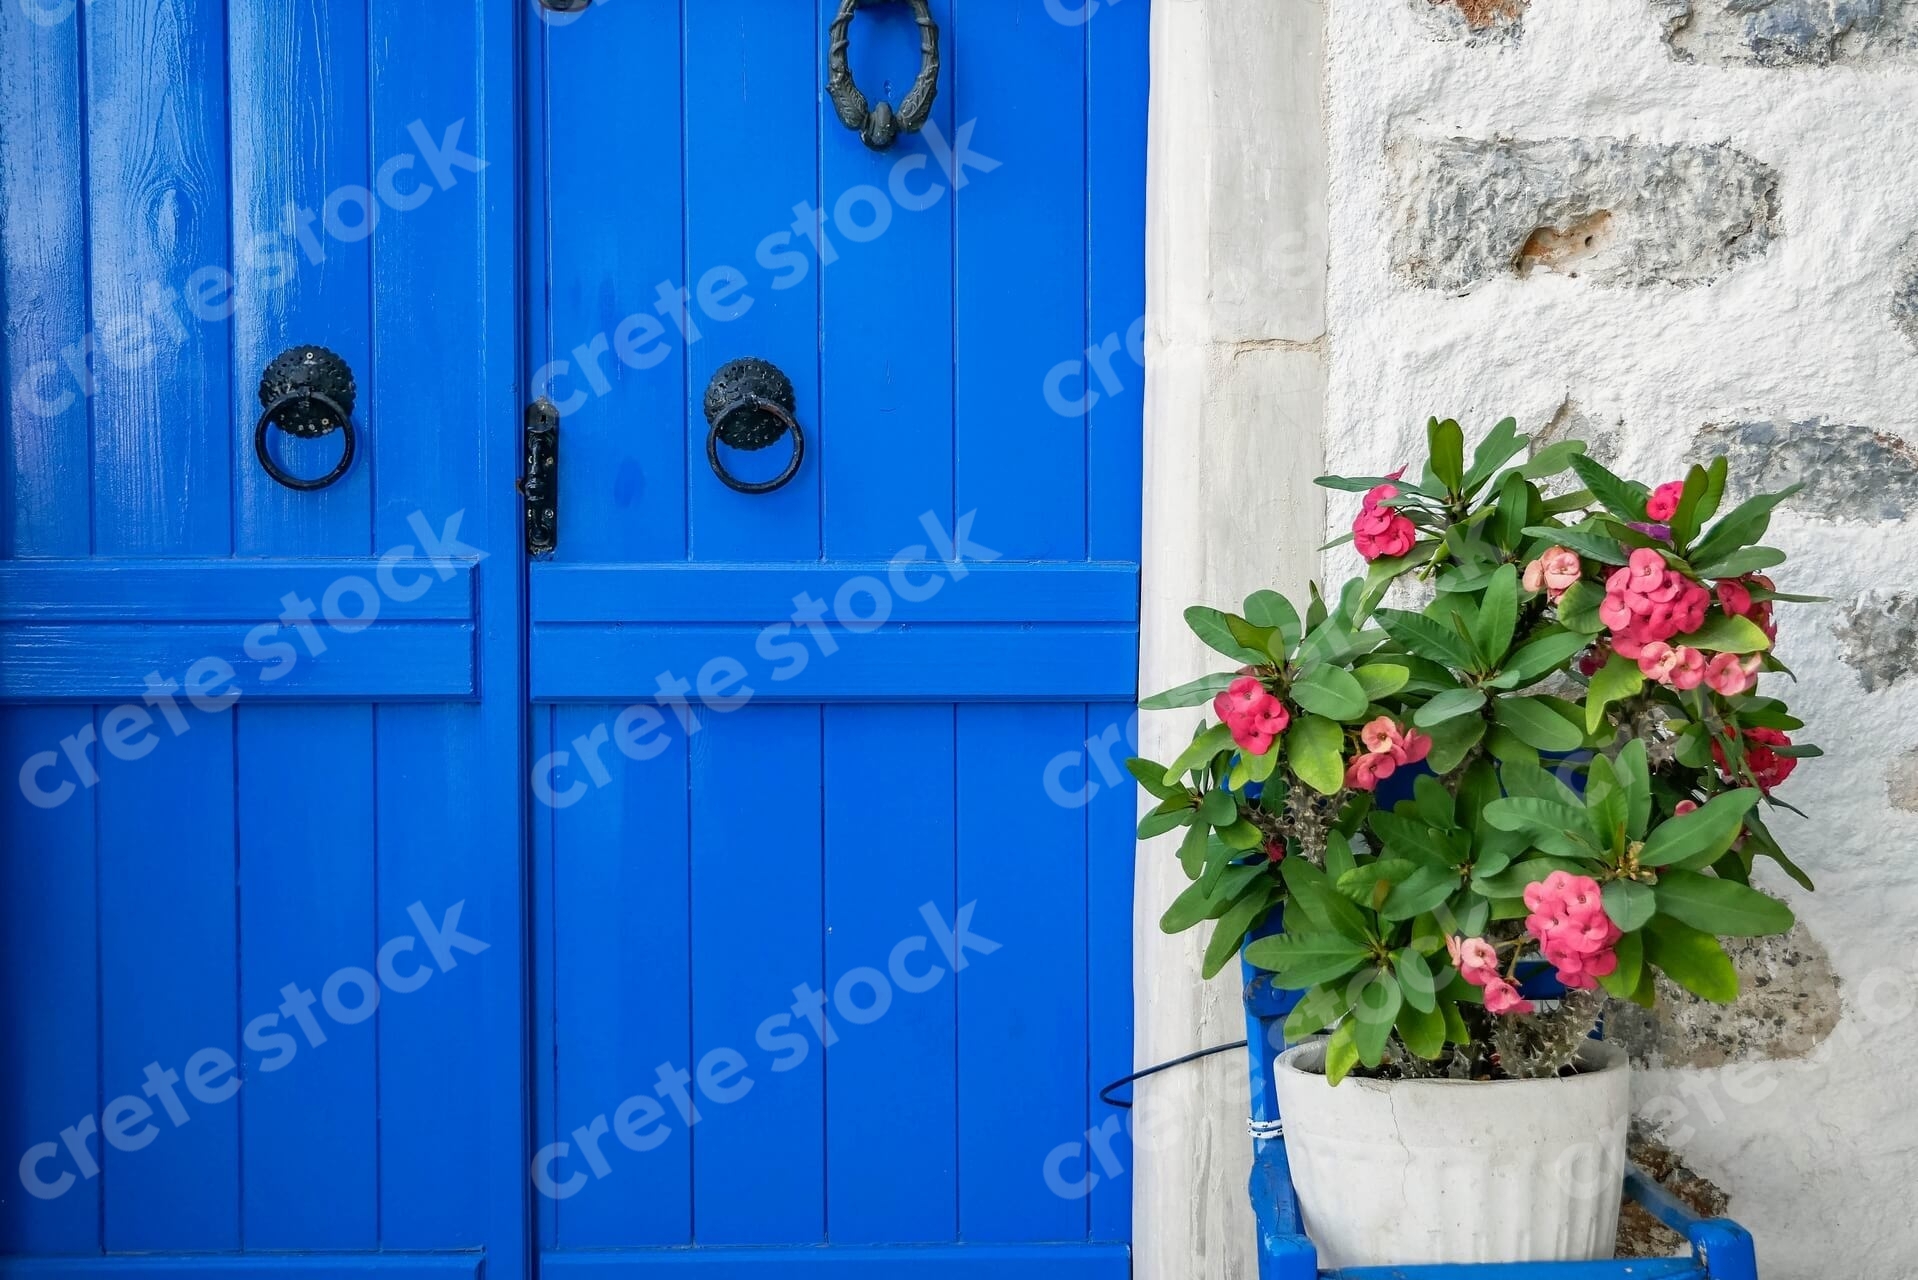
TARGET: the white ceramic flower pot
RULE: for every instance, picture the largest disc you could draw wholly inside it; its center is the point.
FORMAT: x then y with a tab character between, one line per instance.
1415	1171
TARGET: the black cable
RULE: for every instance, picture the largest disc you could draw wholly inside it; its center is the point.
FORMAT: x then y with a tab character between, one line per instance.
1163	1066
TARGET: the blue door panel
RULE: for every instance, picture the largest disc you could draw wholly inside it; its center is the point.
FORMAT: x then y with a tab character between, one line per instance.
701	871
157	902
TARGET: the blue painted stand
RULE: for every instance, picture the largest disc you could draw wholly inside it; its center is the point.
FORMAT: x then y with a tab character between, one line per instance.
1721	1249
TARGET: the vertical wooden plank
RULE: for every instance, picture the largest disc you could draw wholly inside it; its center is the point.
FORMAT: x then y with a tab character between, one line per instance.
305	785
892	1148
1109	816
616	235
43	287
1118	79
49	991
158	215
1020	278
302	198
752	155
542	906
305	211
886	451
1022	1008
169	986
450	817
622	979
757	936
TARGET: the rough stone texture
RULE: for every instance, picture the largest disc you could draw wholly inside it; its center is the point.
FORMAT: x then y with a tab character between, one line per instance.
1640	1235
1786	1009
1878	636
1474	21
1904	292
1901	783
1607	210
1573	422
1849	472
1787	33
1798	332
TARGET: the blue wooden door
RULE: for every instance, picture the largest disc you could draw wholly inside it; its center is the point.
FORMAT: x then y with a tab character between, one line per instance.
824	970
261	896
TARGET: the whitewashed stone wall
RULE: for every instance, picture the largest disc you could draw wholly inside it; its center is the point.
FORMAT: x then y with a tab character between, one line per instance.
1677	227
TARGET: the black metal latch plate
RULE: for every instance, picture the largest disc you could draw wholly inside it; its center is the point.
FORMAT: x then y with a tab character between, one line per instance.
539	484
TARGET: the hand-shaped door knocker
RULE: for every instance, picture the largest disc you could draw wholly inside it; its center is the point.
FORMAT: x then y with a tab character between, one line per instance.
307	392
878	126
750	405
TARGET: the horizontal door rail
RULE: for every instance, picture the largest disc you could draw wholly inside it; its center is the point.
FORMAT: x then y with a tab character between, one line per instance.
917	590
248	1266
786	662
369	629
850	1262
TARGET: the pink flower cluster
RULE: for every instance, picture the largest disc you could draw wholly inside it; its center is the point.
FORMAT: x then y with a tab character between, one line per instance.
1647	600
1568	919
1379	530
1735	598
1686	668
1477	962
1253	714
1386	748
1663	504
1555	570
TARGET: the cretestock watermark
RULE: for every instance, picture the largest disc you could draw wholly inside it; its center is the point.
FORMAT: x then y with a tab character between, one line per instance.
1076	766
861	997
212	1075
349	214
719	684
862	213
126	731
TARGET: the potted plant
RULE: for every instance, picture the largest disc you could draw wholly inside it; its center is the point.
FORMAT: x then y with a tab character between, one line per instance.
1575	764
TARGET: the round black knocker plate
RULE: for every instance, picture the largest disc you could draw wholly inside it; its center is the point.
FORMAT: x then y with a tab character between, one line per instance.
750	405
878	126
306	392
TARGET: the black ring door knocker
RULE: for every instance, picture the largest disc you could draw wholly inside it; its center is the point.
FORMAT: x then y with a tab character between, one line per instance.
750	405
878	126
307	392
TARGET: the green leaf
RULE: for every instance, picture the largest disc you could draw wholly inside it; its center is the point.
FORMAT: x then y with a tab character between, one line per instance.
1169	815
1203	900
1446	705
1513	881
1230	932
1370	883
1692	959
1544	653
1623	980
1702	835
1217	808
1341	1053
1500	445
1422	1030
1447	442
1272	610
1211	626
1373	1014
1319	1009
1338	856
1406	835
1415	980
1199	752
1534	723
1328	910
1381	679
1634	776
1419	892
1722	634
1588	540
1578	607
1202	690
1515	503
1622	498
1428	638
1453	741
1745	525
1723	907
1455	1029
1685	518
1542	820
1498	614
1629	904
1552	459
1329	691
1305	960
1739	563
1151	776
1192	850
1618	678
1313	746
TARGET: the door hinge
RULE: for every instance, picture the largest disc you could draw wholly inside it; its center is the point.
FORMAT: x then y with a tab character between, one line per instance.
539	485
